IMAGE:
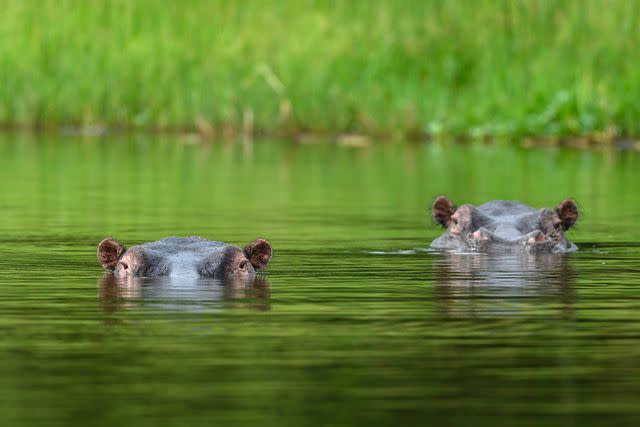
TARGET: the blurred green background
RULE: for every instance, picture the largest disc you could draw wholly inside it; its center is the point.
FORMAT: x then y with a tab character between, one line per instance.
289	67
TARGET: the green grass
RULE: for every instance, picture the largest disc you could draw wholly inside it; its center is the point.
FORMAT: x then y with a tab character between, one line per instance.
405	68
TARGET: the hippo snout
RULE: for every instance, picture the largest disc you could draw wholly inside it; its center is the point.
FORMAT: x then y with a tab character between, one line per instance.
504	226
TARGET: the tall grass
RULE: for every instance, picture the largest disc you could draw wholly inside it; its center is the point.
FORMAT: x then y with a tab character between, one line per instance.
463	67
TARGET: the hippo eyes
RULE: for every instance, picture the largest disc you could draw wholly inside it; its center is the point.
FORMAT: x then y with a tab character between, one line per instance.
557	226
124	266
454	221
242	265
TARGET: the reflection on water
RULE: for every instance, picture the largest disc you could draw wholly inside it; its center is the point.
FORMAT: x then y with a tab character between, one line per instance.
183	294
359	323
480	284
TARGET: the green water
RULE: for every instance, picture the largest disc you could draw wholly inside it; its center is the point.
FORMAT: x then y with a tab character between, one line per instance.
357	322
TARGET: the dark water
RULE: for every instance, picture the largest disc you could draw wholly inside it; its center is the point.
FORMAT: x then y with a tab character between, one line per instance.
357	322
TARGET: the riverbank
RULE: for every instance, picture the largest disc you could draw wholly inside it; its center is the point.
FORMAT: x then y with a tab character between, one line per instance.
482	68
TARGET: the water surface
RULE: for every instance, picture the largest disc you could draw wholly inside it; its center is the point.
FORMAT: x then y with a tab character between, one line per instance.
357	321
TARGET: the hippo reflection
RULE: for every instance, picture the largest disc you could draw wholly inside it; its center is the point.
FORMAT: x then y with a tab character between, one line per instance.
485	284
184	257
504	226
189	294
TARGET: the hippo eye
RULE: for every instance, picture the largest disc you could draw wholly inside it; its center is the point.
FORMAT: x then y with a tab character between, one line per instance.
557	226
454	221
242	265
124	266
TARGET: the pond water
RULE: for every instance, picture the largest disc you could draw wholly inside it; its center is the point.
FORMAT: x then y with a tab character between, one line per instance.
356	322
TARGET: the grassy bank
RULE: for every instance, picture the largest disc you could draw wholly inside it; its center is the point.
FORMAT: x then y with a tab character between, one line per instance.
464	67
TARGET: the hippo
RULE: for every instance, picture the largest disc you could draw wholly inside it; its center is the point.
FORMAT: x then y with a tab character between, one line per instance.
504	226
184	257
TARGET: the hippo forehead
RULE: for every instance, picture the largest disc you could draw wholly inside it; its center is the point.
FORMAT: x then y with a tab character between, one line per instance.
505	209
181	256
506	213
504	217
175	245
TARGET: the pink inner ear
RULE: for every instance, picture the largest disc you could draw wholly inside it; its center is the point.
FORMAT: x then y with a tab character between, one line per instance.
567	211
442	210
109	252
259	253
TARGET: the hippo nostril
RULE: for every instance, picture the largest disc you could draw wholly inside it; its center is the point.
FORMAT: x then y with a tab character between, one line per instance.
480	235
539	237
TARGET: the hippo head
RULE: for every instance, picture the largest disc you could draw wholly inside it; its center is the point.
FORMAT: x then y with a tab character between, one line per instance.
184	256
504	226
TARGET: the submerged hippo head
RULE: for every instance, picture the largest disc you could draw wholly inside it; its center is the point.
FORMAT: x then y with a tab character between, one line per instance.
504	226
184	256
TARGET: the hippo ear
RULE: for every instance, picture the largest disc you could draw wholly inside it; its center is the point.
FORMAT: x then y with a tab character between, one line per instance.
568	213
259	253
442	210
109	252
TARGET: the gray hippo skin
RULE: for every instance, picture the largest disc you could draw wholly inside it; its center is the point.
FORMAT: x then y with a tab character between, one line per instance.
504	226
184	257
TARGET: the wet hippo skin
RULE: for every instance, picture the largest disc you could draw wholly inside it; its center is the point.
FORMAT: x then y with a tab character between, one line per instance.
504	226
184	257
